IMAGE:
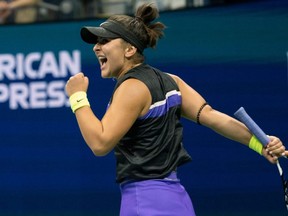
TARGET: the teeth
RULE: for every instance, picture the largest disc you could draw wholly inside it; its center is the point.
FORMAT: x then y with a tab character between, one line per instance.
102	59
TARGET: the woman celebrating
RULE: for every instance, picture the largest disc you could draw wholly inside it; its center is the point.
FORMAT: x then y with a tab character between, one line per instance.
142	122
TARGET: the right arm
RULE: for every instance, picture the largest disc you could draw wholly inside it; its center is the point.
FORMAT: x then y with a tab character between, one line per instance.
130	100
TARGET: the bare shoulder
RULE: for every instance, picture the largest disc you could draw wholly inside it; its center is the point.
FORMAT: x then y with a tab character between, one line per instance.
176	78
133	93
132	87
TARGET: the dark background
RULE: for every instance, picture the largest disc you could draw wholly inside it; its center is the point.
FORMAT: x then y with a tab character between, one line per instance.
234	56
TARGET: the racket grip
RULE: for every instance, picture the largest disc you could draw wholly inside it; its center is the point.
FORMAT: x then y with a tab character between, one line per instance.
242	115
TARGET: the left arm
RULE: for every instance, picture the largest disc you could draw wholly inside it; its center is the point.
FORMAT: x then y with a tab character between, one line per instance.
221	123
217	121
235	130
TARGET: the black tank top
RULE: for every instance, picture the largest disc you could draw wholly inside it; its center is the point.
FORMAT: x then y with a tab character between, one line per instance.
152	148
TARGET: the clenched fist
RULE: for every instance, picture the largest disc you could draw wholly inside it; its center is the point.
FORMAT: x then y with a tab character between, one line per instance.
77	83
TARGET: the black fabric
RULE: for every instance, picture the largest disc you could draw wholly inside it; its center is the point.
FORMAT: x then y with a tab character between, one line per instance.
111	29
152	148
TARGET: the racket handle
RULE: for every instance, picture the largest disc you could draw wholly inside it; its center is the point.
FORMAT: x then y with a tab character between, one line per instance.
242	115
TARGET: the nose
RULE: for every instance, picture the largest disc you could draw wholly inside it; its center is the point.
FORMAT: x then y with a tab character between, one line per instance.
96	47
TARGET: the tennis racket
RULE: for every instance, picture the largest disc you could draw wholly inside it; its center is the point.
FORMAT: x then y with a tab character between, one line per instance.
262	137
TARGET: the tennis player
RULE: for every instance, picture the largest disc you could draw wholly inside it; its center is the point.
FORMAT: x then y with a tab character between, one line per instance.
142	122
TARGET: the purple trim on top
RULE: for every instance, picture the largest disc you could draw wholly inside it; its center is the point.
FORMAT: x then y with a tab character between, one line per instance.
162	108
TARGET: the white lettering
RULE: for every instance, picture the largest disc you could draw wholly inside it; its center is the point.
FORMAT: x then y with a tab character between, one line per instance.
48	65
56	94
43	92
19	70
7	64
69	64
4	93
18	95
37	95
38	66
28	65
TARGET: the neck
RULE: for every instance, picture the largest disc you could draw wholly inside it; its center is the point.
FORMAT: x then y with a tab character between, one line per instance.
128	69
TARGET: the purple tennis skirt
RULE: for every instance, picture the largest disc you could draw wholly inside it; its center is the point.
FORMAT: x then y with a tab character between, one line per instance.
156	197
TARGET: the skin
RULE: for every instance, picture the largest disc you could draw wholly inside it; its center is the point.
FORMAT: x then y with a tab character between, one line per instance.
6	8
132	99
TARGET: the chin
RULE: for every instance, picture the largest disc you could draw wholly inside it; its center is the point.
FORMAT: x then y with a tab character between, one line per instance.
105	74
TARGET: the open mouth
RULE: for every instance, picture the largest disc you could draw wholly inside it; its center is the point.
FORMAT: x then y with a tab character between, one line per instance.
102	60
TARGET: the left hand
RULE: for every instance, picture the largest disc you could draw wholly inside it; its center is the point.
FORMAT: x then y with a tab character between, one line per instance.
274	149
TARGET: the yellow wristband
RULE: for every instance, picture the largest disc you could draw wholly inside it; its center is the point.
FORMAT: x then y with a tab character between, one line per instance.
255	145
78	100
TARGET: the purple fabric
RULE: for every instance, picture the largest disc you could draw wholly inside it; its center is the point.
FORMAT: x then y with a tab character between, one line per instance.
157	197
160	110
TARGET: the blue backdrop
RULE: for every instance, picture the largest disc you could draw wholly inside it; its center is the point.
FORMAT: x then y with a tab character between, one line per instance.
234	56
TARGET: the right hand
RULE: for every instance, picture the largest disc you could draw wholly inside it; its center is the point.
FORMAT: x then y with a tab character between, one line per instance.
76	83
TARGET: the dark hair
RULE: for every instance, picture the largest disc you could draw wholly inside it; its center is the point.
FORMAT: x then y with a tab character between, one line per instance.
141	25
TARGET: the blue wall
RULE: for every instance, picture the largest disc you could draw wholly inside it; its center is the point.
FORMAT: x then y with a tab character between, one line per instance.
234	56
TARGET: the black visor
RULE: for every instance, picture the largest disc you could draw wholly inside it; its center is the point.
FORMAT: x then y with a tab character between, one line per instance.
111	29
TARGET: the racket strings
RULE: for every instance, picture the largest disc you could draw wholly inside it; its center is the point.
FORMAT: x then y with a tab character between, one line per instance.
285	189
